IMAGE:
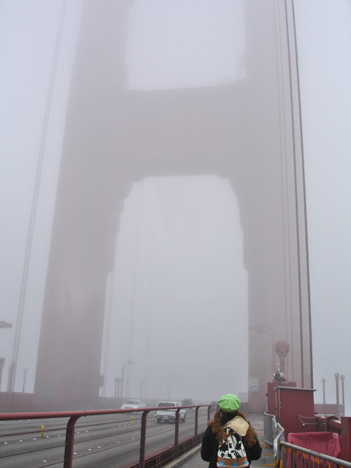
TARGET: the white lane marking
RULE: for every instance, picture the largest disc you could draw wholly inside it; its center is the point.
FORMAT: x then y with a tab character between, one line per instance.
21	440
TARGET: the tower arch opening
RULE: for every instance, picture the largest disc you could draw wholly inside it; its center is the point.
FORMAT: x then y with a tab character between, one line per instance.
180	292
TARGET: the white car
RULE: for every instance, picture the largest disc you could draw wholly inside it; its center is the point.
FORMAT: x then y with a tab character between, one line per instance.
170	414
133	404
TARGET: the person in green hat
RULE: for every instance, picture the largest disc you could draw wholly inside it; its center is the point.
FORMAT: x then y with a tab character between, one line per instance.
230	440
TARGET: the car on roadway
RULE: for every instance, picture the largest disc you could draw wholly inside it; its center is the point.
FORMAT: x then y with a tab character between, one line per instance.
133	404
169	414
188	402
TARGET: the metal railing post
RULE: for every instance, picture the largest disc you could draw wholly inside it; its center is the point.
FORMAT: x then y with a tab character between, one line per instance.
176	435
196	420
68	458
143	439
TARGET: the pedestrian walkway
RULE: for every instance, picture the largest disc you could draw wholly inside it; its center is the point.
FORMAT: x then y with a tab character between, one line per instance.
192	459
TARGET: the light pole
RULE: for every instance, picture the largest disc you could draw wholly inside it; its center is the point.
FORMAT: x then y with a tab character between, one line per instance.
11	377
2	360
124	364
6	325
117	384
282	349
342	378
2	365
24	379
323	382
337	377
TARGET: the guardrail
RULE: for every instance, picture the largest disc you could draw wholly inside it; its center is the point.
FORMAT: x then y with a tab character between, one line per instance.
151	447
273	432
292	456
329	424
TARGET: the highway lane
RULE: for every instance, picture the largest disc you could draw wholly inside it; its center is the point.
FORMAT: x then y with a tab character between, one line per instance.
97	438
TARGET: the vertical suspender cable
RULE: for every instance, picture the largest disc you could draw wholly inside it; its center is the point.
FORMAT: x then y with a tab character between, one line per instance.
296	198
291	32
12	374
304	197
284	190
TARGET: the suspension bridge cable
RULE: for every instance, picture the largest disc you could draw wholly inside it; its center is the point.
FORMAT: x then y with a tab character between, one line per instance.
28	251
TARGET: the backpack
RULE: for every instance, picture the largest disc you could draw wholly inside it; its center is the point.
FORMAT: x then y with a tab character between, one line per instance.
232	451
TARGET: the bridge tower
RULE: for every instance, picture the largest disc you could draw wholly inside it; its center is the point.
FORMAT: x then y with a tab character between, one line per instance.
247	131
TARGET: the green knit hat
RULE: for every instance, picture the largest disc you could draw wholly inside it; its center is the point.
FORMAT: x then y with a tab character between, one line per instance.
229	403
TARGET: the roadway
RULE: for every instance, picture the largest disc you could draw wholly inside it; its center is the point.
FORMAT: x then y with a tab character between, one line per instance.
103	441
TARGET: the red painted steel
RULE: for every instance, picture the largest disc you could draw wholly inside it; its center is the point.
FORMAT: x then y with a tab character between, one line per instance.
294	456
176	436
271	395
346	438
143	438
68	458
295	409
153	460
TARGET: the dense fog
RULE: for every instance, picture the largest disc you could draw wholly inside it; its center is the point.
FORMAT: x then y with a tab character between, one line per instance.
176	303
176	282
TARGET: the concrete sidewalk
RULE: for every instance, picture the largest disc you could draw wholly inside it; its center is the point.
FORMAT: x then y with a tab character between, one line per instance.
192	459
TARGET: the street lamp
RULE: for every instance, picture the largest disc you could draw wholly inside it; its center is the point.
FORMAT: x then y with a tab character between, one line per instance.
11	368
124	364
282	349
10	380
337	377
117	384
2	365
323	382
342	378
24	379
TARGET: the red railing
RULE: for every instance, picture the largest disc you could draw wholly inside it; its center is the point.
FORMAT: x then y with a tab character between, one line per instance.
293	456
328	424
107	424
341	427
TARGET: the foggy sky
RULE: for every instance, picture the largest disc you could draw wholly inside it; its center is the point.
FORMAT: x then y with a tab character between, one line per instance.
192	223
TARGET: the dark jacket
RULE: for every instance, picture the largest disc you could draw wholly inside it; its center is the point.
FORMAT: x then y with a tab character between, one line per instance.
210	446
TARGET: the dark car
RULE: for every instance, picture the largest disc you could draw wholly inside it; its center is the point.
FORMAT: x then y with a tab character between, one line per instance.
187	402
